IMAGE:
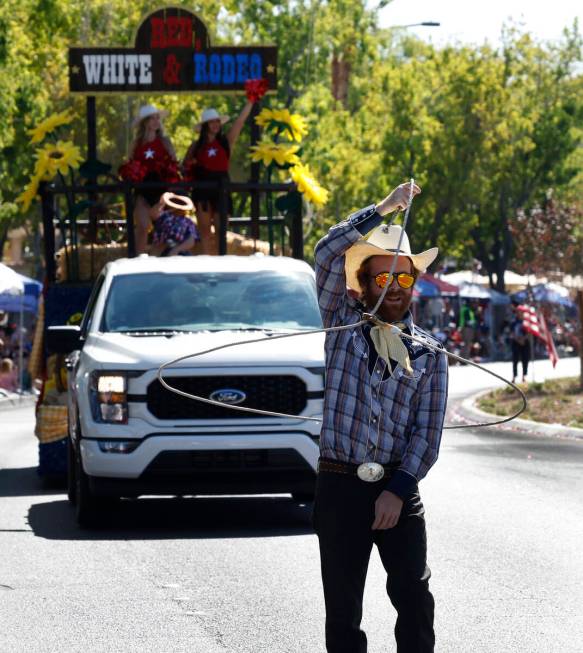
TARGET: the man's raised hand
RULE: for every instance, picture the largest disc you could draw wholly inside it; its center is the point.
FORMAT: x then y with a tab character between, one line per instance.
398	198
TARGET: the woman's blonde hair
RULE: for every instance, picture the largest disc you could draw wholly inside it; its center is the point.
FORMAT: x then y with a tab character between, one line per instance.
140	132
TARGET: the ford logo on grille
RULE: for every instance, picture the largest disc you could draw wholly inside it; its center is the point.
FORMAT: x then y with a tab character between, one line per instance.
228	396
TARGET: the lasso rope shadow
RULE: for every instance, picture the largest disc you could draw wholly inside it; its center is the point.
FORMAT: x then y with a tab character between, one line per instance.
367	317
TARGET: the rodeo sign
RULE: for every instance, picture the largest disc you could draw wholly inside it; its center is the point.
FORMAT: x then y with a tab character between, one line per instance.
172	54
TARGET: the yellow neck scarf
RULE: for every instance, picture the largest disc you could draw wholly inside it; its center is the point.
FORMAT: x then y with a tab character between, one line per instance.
389	345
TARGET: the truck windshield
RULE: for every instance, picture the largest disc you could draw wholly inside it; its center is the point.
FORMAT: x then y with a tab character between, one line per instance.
211	301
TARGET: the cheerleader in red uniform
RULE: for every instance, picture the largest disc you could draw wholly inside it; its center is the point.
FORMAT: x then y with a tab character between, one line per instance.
207	159
153	150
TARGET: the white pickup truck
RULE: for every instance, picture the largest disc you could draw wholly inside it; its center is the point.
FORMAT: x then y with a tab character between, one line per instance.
130	436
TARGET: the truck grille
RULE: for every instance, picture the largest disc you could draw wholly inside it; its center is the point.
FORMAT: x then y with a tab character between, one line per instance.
281	394
178	463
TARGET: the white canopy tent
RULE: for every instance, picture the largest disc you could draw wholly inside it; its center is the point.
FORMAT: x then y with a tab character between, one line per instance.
11	283
512	280
13	298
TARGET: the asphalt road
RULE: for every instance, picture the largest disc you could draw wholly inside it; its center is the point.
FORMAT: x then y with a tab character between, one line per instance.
505	523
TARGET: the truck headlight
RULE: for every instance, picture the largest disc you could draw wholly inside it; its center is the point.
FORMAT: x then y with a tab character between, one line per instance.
109	398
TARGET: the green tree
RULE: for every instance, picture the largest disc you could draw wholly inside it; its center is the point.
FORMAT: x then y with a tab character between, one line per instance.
484	131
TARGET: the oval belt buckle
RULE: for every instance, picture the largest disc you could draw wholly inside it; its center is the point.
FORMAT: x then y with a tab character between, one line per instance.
370	472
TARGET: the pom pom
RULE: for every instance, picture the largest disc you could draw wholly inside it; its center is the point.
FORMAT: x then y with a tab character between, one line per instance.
168	171
256	89
133	171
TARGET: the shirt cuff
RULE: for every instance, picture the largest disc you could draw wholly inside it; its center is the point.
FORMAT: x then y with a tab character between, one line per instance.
402	484
366	219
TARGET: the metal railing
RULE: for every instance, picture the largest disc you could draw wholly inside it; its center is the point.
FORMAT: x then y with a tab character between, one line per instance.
102	213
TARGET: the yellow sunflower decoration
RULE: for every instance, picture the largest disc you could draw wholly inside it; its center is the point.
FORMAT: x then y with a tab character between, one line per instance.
308	186
48	125
57	157
268	152
29	194
294	127
52	158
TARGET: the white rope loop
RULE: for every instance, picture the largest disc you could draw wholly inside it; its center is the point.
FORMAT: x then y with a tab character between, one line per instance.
330	329
366	318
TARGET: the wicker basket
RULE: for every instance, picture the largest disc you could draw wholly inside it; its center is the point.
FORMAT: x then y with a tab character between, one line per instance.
51	423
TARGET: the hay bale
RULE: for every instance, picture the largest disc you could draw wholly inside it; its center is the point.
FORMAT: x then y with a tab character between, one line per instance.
241	245
85	262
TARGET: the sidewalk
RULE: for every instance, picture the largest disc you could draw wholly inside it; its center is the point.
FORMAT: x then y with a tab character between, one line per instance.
465	380
14	400
467	384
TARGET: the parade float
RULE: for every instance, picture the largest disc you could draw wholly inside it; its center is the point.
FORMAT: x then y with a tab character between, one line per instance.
87	209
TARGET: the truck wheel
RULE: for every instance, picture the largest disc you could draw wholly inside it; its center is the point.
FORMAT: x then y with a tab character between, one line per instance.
88	507
71	493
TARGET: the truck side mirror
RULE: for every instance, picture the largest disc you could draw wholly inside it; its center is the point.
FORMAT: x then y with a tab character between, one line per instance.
63	339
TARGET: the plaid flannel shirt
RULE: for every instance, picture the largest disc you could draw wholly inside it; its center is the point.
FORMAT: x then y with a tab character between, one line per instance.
391	419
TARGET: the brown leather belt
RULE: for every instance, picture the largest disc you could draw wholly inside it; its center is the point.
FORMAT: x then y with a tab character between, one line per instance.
339	467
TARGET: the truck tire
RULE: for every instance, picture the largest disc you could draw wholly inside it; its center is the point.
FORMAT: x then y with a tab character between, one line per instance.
90	510
71	493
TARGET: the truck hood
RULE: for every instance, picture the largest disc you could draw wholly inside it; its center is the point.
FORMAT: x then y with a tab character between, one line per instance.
141	352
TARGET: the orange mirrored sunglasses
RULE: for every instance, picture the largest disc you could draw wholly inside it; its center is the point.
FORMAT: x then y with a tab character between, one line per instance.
404	279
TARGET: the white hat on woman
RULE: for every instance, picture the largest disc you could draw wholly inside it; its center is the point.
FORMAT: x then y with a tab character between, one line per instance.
147	111
211	114
384	241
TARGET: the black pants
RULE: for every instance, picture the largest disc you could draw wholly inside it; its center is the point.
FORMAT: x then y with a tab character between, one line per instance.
343	516
520	353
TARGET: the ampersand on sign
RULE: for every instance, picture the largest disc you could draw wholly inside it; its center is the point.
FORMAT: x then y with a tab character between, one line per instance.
171	73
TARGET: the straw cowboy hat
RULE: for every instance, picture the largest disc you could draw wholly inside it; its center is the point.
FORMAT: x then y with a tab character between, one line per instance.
147	111
179	203
384	241
211	114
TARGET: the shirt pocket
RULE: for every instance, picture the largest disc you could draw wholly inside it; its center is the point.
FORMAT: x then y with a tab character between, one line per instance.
359	345
413	377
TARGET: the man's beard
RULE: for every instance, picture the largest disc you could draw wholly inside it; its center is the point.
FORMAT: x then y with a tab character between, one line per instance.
390	310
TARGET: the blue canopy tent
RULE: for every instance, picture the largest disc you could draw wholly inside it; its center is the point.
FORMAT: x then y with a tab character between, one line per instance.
18	292
426	288
544	293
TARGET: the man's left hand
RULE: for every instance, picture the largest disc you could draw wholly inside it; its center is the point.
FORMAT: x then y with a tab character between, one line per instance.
387	510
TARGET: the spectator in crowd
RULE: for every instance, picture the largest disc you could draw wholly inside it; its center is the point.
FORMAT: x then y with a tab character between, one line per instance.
467	325
520	344
8	375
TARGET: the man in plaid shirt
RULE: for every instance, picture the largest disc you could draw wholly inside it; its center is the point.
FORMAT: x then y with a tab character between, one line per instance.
387	408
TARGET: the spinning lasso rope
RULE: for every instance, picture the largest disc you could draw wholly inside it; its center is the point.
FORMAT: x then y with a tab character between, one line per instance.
367	317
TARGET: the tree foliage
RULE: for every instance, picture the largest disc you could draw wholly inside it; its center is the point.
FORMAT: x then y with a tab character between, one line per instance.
548	238
484	131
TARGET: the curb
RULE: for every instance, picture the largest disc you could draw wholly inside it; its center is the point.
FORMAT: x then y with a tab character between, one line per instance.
16	401
466	411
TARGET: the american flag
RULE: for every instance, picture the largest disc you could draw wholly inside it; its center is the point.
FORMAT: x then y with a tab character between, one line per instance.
536	324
